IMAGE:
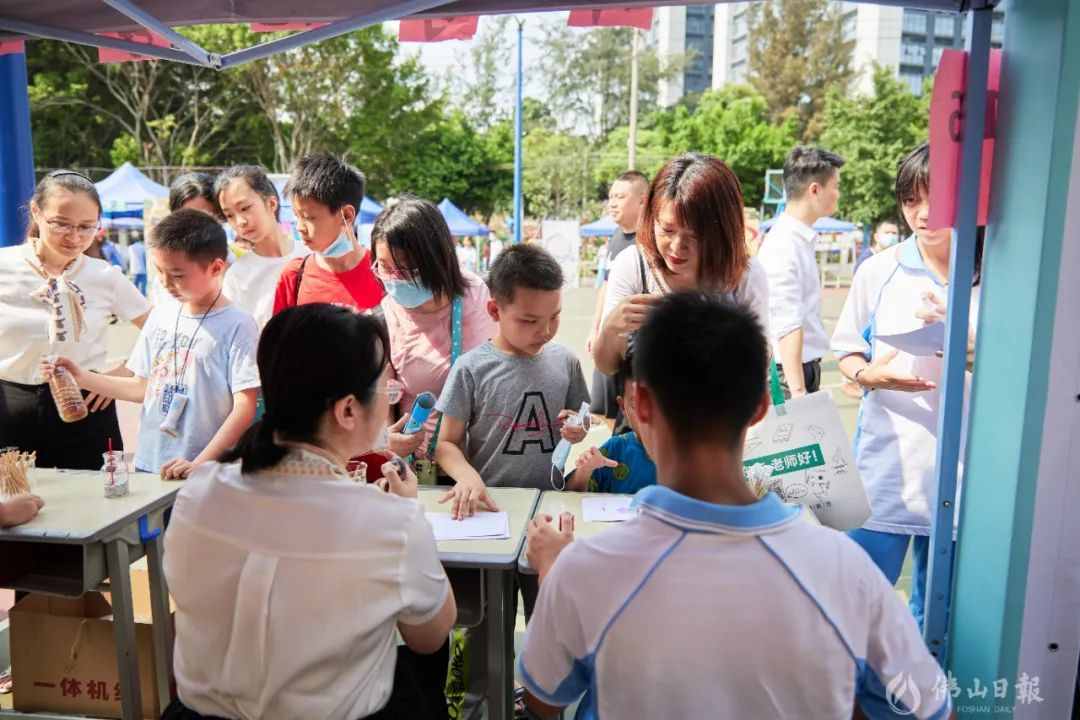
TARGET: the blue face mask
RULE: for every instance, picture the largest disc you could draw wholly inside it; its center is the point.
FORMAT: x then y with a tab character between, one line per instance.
408	294
339	247
888	240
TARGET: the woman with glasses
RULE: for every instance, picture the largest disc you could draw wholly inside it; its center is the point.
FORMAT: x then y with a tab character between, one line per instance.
691	237
55	300
434	310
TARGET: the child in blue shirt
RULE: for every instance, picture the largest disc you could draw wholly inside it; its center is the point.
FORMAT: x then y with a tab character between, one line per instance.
620	465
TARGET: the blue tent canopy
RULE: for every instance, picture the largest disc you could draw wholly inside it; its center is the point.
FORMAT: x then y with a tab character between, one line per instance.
124	193
460	224
604	227
823	225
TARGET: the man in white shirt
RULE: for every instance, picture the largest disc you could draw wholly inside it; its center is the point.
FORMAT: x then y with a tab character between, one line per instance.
812	189
711	602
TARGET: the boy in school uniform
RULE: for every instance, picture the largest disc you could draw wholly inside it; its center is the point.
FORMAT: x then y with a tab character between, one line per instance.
193	366
504	405
621	464
773	617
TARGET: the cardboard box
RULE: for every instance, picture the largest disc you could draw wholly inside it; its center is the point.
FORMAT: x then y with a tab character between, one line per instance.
63	657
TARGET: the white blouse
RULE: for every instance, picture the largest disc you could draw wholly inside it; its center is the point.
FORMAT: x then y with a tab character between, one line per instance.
289	584
70	316
624	280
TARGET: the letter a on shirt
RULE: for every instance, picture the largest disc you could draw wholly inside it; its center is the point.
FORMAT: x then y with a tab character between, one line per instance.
532	426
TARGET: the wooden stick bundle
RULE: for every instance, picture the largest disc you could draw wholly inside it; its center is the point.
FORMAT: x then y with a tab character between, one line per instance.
13	472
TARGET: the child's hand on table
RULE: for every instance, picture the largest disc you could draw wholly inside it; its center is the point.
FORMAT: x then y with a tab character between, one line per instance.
591	460
177	469
469	496
546	540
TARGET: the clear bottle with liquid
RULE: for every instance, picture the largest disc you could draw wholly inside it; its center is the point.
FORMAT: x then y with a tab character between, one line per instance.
67	396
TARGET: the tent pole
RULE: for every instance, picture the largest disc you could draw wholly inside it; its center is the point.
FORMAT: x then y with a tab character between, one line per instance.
519	110
17	158
154	25
961	271
100	41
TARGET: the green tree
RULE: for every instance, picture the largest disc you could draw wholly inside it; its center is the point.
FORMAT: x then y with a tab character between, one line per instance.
587	76
609	156
733	124
872	132
797	54
482	81
451	159
556	182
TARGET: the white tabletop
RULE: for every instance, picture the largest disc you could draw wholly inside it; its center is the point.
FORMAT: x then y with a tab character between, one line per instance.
553	503
77	511
518	503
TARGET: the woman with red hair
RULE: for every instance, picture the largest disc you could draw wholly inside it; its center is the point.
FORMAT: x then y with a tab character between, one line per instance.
691	237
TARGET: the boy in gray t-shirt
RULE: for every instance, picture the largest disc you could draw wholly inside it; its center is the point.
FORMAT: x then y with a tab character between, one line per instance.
505	402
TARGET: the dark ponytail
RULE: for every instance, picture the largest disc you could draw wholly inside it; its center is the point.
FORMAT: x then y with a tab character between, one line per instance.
310	356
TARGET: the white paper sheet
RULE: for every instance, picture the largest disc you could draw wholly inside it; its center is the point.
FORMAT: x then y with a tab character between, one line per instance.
481	526
614	508
924	342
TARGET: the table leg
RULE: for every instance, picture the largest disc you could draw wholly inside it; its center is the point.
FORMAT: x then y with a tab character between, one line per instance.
163	627
127	658
499	644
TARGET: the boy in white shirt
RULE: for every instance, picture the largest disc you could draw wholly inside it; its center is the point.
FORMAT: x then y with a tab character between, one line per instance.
812	190
194	362
712	602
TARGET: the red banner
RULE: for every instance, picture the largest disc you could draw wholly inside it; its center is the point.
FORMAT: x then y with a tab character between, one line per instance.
612	17
947	135
108	55
285	26
12	47
460	27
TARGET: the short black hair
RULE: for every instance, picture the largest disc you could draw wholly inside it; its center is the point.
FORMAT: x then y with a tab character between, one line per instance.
704	360
325	179
190	186
912	178
193	233
256	179
523	266
634	177
419	239
805	165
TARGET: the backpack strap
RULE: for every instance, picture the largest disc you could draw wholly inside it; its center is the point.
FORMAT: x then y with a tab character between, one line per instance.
642	271
299	279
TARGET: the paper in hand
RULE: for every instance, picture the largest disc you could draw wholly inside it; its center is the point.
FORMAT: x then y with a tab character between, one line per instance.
927	341
613	508
481	526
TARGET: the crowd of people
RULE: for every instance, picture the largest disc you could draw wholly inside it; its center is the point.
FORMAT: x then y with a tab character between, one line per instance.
275	378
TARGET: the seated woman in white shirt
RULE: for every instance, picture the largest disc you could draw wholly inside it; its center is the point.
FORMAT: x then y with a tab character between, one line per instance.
291	580
55	300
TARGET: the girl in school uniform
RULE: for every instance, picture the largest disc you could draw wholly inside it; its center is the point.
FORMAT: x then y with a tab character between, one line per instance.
292	580
893	292
54	299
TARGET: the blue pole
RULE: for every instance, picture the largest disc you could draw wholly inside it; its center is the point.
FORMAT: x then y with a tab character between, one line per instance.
961	269
519	110
16	149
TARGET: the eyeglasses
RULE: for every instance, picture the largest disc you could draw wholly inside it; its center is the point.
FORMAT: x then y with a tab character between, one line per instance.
62	228
393	391
383	274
